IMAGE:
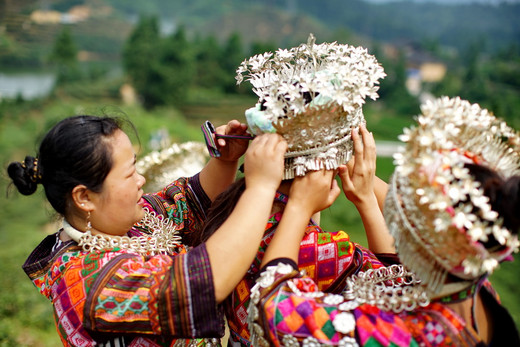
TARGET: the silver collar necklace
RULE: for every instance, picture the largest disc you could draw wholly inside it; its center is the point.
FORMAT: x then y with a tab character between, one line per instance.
163	238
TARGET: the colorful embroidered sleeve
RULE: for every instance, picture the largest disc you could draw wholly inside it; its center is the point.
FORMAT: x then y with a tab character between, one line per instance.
436	325
183	201
327	258
288	309
161	295
115	294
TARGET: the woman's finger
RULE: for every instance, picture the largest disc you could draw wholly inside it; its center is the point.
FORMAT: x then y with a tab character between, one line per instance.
358	145
369	145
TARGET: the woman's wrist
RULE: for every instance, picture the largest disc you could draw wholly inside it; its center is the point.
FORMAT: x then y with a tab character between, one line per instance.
366	201
298	208
260	191
225	163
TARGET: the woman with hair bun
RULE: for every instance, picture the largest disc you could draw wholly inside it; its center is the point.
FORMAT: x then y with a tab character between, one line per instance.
452	208
121	271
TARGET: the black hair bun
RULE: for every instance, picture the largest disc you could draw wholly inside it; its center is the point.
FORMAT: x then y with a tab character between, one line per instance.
25	175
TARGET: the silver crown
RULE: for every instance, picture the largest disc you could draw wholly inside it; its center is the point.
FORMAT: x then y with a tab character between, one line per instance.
435	210
162	167
312	95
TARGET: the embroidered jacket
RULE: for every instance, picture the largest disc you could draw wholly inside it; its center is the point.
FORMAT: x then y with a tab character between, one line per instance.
114	294
289	309
328	258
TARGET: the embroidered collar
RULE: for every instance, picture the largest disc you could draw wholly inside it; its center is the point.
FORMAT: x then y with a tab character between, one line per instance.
469	289
461	295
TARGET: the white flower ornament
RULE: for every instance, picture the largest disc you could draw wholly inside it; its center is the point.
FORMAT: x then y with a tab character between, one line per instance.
436	211
312	95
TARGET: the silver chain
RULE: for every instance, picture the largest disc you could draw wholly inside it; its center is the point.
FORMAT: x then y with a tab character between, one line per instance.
392	288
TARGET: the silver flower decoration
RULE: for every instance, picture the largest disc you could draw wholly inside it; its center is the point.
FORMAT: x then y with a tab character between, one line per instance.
438	212
344	322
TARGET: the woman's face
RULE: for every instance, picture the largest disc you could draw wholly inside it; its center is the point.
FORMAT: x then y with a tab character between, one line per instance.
119	205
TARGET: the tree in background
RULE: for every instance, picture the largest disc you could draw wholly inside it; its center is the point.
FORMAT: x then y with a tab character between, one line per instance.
64	56
7	49
140	58
393	91
164	69
493	81
258	47
177	68
209	73
474	86
503	71
161	69
232	56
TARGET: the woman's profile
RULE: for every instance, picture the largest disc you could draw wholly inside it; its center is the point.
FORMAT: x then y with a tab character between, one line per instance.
122	269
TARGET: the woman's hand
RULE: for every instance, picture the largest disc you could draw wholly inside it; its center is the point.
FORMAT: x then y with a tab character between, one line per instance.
231	149
314	192
311	193
357	178
234	244
220	172
264	161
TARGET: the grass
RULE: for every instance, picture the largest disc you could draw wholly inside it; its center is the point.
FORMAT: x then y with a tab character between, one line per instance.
26	316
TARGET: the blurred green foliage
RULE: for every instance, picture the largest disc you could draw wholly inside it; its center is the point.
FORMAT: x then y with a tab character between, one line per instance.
64	56
165	71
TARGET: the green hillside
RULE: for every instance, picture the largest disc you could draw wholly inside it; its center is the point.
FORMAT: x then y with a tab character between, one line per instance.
283	22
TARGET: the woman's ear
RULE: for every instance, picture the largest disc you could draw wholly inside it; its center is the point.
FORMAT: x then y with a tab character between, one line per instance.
81	197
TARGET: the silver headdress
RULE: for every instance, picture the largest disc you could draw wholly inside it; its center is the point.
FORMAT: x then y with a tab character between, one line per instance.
436	211
312	95
162	167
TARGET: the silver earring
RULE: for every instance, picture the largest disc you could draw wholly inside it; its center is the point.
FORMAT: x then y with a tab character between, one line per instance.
89	226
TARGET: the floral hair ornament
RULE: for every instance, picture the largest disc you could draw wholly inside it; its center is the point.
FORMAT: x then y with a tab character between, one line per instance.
436	211
312	95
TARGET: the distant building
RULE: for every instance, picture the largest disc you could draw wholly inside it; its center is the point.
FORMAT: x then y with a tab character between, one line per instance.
75	14
421	66
414	81
128	94
430	68
432	71
80	12
46	17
